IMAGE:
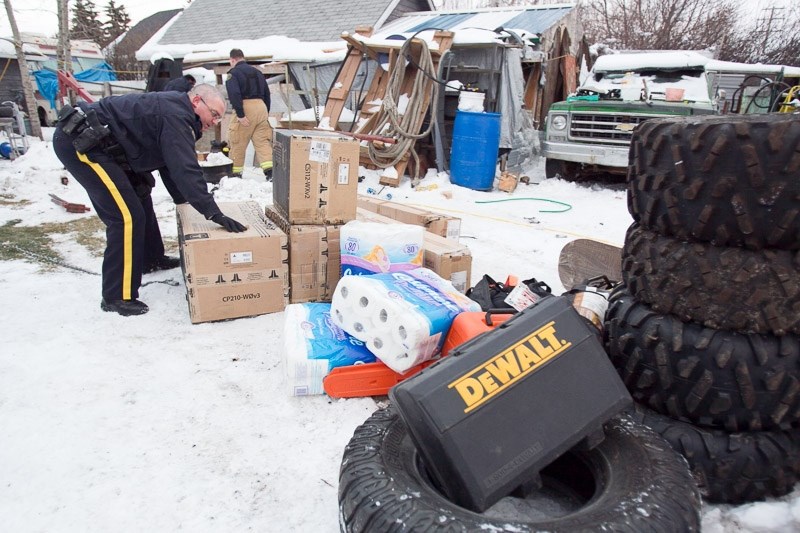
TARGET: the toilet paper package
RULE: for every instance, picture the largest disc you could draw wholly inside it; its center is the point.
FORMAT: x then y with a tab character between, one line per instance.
403	317
371	247
314	345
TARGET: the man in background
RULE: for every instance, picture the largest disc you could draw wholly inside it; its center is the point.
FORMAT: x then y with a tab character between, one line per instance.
248	93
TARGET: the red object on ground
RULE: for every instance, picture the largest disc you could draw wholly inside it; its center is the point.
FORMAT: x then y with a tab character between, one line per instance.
471	324
370	379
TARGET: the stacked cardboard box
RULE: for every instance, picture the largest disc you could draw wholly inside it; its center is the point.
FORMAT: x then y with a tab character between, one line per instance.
450	259
232	275
315	184
438	223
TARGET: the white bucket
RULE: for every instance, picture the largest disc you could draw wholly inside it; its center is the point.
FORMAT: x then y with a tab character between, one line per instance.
471	101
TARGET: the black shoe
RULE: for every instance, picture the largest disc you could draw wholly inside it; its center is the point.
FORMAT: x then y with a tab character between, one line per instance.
124	307
268	174
165	262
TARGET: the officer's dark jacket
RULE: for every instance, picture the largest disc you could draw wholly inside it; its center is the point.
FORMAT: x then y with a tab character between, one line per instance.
158	131
179	84
246	82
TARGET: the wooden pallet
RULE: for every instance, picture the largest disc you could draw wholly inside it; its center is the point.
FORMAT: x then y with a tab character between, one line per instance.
377	90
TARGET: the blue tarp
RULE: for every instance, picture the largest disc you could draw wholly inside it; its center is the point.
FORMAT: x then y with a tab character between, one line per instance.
47	82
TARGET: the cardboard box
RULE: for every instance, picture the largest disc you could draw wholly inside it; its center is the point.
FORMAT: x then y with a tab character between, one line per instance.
315	176
314	259
450	259
232	275
438	223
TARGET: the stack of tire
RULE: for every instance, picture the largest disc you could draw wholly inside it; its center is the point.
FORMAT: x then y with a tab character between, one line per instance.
705	330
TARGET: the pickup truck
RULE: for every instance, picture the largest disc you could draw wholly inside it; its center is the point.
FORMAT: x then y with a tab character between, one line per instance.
590	132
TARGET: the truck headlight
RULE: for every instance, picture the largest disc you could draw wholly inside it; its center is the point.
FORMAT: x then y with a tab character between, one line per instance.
559	122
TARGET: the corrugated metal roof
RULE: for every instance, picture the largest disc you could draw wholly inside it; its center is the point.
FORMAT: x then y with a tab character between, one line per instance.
534	19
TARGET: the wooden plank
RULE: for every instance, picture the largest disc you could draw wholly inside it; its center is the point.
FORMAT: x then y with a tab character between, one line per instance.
344	81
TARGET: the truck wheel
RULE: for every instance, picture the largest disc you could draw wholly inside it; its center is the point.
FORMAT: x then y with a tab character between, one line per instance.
566	170
729	180
732	467
632	481
749	291
704	376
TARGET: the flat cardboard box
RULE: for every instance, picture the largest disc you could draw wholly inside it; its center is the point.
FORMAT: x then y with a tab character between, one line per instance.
232	275
315	176
314	259
450	259
438	223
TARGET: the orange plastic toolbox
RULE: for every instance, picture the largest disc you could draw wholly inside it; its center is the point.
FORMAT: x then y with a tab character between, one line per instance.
471	324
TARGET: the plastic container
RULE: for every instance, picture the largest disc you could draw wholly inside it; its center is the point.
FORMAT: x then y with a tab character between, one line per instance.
213	174
471	101
476	141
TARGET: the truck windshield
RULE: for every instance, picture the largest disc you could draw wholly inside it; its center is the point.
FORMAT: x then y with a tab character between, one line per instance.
670	86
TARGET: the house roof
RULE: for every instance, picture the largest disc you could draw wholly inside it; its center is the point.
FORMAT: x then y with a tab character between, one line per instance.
531	19
141	32
211	21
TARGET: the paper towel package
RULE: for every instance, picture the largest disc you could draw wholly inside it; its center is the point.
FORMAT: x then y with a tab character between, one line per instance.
371	248
403	317
313	258
314	345
315	176
450	259
443	225
231	275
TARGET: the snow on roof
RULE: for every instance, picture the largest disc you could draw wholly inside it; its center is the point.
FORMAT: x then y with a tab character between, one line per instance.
669	59
730	67
677	59
31	51
530	19
275	47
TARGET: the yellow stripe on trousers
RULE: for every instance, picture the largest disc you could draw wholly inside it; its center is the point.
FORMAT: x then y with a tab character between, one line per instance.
127	261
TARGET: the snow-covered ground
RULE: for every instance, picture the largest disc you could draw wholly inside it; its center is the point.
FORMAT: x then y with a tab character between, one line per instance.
154	424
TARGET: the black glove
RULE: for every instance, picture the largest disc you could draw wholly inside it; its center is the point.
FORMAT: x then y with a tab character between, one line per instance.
228	223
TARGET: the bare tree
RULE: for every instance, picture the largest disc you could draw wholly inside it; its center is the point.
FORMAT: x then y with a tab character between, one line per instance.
774	37
660	24
27	82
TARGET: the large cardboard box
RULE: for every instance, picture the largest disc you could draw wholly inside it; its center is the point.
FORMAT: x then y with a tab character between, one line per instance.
315	176
314	259
231	275
437	223
450	259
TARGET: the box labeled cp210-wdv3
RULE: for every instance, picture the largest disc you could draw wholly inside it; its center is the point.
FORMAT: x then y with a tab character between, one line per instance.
232	275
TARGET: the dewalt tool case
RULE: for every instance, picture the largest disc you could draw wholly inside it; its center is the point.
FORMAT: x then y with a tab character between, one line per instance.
487	418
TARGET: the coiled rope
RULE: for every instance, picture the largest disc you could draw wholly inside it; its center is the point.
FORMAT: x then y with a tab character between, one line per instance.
390	122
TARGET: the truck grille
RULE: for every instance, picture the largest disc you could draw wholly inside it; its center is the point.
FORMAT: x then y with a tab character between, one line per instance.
604	129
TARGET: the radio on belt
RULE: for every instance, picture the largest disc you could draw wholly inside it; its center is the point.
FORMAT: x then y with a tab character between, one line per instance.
502	406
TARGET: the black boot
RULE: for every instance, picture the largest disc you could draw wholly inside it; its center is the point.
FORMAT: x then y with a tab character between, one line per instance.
124	307
268	174
165	262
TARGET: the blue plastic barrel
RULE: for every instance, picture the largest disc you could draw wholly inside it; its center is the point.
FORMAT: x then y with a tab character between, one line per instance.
5	150
476	140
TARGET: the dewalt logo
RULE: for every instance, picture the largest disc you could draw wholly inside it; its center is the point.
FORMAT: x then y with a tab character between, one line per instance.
482	383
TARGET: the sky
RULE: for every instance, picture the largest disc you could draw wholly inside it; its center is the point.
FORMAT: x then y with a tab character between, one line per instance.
40	16
151	423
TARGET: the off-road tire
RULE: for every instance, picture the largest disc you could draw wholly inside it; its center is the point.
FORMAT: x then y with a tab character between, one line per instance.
729	180
566	170
732	467
701	375
750	291
639	484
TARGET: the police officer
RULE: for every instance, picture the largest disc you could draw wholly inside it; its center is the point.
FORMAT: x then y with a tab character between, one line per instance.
248	93
111	147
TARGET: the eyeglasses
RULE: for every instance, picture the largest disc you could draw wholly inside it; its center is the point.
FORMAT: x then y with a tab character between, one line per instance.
214	115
